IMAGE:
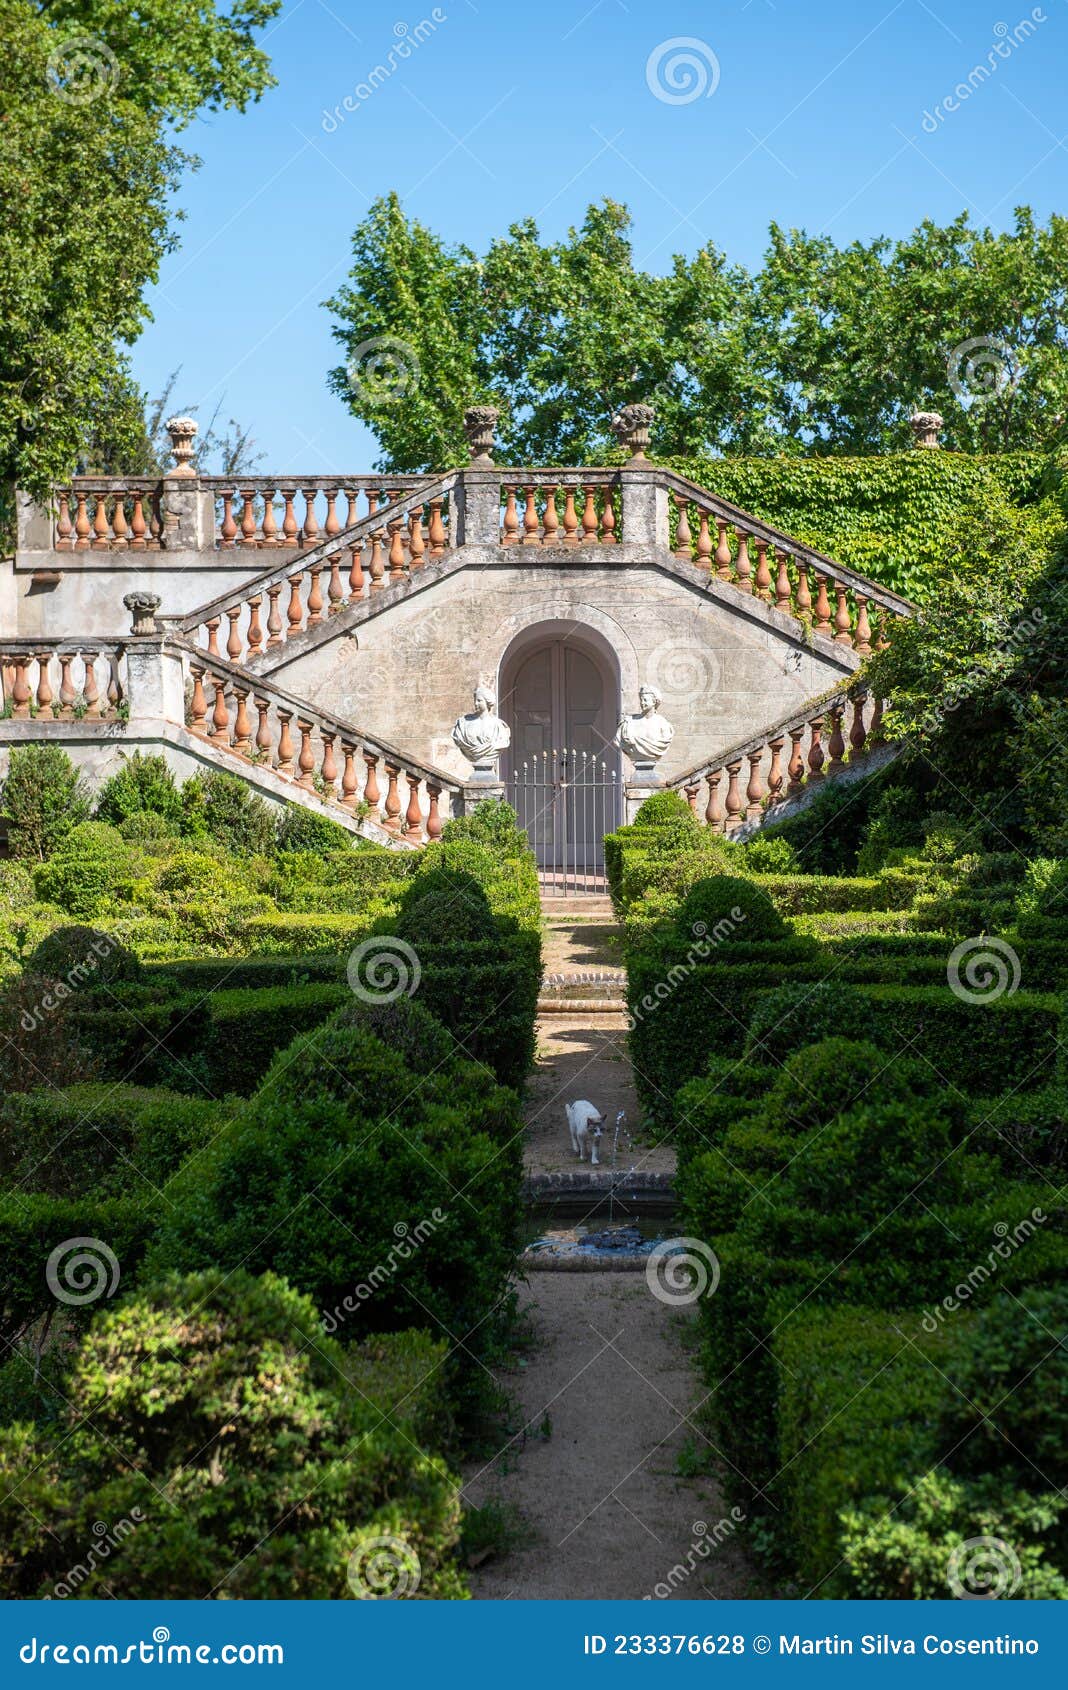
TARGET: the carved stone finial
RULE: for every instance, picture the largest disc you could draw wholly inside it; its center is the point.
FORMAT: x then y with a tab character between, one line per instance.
143	608
631	425
182	431
480	421
926	427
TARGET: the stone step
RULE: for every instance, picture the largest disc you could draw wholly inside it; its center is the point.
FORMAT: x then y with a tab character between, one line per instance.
582	1006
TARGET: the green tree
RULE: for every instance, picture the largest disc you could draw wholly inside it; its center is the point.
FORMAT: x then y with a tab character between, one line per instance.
43	799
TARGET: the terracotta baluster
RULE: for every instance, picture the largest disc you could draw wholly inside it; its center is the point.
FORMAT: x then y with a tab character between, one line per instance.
119	532
335	592
248	516
875	726
228	528
242	725
723	552
64	526
608	518
413	815
285	744
255	632
350	784
863	636
310	531
371	794
306	759
213	636
782	583
331	526
735	805
391	819
433	820
328	769
198	707
571	521
82	528
44	683
220	715
416	542
843	622
438	537
377	565
268	527
803	598
396	550
691	792
531	523
67	694
20	691
550	523
263	729
822	623
742	566
762	580
295	611
589	516
683	537
352	494
775	774
90	690
510	521
138	525
795	768
356	572
290	530
857	732
816	756
155	522
714	809
836	743
274	615
372	501
101	525
315	596
234	642
113	683
704	542
882	623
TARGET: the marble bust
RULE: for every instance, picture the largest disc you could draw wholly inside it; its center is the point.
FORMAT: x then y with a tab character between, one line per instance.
646	736
481	735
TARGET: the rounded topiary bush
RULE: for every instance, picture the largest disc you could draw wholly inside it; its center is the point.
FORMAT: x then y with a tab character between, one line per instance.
418	1037
148	828
303	830
663	808
445	906
824	1079
83	956
83	876
727	909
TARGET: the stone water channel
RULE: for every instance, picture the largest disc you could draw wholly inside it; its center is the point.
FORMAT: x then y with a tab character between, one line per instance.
607	1478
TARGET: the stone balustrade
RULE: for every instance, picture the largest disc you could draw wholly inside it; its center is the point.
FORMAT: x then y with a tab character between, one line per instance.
297	512
755	558
259	723
64	680
747	782
104	514
560	508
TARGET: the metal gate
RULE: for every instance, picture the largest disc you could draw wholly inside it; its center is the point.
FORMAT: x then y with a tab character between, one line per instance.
567	801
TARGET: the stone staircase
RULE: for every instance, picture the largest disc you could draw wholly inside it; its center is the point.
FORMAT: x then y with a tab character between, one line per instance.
582	968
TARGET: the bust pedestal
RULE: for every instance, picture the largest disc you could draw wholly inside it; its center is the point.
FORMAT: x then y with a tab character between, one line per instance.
636	791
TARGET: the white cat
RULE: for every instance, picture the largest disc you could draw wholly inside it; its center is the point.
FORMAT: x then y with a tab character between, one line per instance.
584	1122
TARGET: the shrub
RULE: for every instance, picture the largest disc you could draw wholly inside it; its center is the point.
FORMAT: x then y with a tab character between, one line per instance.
444	905
40	1041
665	807
147	829
87	869
16	887
301	829
493	823
297	934
770	854
729	910
225	1397
33	1226
143	785
223	808
83	957
43	798
100	1140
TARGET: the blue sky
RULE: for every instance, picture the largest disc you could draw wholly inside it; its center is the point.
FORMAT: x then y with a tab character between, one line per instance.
830	117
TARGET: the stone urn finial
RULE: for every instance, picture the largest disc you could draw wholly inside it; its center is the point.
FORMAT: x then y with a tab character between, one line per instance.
182	431
926	427
143	608
630	425
480	421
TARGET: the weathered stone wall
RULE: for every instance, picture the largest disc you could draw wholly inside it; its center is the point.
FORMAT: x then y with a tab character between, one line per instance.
87	598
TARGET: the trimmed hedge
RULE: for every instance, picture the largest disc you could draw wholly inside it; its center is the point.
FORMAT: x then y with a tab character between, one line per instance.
32	1226
100	1140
